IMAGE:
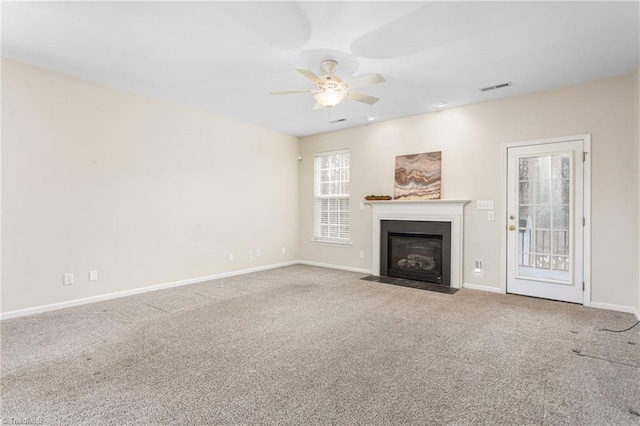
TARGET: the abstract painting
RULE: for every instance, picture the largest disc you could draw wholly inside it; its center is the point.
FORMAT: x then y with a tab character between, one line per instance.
418	176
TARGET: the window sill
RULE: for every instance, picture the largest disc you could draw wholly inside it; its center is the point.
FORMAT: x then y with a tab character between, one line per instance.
332	243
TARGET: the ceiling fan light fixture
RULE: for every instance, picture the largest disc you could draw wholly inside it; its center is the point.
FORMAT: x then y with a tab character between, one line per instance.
329	98
330	89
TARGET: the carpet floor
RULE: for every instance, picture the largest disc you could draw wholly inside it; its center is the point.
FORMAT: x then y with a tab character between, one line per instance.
305	345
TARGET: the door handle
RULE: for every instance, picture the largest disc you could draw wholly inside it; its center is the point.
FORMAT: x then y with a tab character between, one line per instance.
512	227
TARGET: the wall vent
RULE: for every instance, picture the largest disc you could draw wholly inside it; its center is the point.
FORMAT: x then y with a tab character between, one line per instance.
338	120
497	86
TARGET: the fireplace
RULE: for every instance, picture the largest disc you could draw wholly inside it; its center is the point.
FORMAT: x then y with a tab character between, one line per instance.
417	250
434	211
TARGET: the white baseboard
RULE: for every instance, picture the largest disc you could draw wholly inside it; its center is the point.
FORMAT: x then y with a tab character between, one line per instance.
598	305
116	295
612	307
328	265
482	288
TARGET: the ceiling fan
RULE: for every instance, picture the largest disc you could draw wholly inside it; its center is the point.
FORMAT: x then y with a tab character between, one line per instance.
330	89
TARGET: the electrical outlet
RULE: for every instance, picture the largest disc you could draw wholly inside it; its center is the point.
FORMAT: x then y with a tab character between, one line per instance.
361	254
477	266
491	215
230	257
93	275
68	279
361	206
258	253
250	255
284	250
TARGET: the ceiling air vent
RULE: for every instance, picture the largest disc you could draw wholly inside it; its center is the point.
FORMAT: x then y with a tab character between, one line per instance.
338	120
497	86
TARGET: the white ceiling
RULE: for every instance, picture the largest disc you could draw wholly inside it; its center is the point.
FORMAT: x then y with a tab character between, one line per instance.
226	57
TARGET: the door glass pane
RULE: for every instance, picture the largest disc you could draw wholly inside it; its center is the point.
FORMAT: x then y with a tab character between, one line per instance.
560	191
544	217
560	242
525	193
526	217
542	191
525	169
561	217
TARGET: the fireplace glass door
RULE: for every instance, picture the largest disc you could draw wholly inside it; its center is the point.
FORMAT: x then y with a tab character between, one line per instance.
415	256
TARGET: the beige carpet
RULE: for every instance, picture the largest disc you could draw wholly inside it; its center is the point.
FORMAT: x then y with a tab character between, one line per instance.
304	345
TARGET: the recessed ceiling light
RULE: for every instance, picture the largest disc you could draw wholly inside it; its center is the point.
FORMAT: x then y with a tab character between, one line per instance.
442	104
370	118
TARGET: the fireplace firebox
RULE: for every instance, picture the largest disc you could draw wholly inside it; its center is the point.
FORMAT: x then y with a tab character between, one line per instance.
416	250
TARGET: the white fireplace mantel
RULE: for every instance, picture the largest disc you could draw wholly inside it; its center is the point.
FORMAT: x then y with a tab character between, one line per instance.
421	210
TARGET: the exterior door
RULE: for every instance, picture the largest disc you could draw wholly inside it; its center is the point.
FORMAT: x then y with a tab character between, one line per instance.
545	221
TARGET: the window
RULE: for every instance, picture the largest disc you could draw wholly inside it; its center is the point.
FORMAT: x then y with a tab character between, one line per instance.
331	197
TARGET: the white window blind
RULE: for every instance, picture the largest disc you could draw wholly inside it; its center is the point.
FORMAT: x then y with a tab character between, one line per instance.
331	196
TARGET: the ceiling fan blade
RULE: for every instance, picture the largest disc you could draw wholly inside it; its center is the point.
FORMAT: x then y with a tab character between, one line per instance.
362	98
317	106
365	80
310	75
289	92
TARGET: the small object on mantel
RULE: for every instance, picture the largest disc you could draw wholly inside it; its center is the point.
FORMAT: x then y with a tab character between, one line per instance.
377	197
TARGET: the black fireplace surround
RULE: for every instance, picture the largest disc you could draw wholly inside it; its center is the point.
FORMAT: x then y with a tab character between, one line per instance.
416	250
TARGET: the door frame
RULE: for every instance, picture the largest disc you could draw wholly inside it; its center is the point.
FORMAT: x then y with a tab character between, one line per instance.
586	254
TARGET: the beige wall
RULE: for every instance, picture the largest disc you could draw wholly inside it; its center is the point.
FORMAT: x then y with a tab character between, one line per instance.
470	139
142	191
149	193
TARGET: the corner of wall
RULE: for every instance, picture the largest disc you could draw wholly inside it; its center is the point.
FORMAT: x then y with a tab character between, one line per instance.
299	194
637	189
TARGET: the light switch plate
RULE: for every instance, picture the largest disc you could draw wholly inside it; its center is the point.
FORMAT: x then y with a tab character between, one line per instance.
484	205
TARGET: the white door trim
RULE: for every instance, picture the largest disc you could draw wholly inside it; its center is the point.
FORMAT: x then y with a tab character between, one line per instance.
586	264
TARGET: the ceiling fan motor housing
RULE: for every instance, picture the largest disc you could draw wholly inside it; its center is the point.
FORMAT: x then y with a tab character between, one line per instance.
331	82
329	66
